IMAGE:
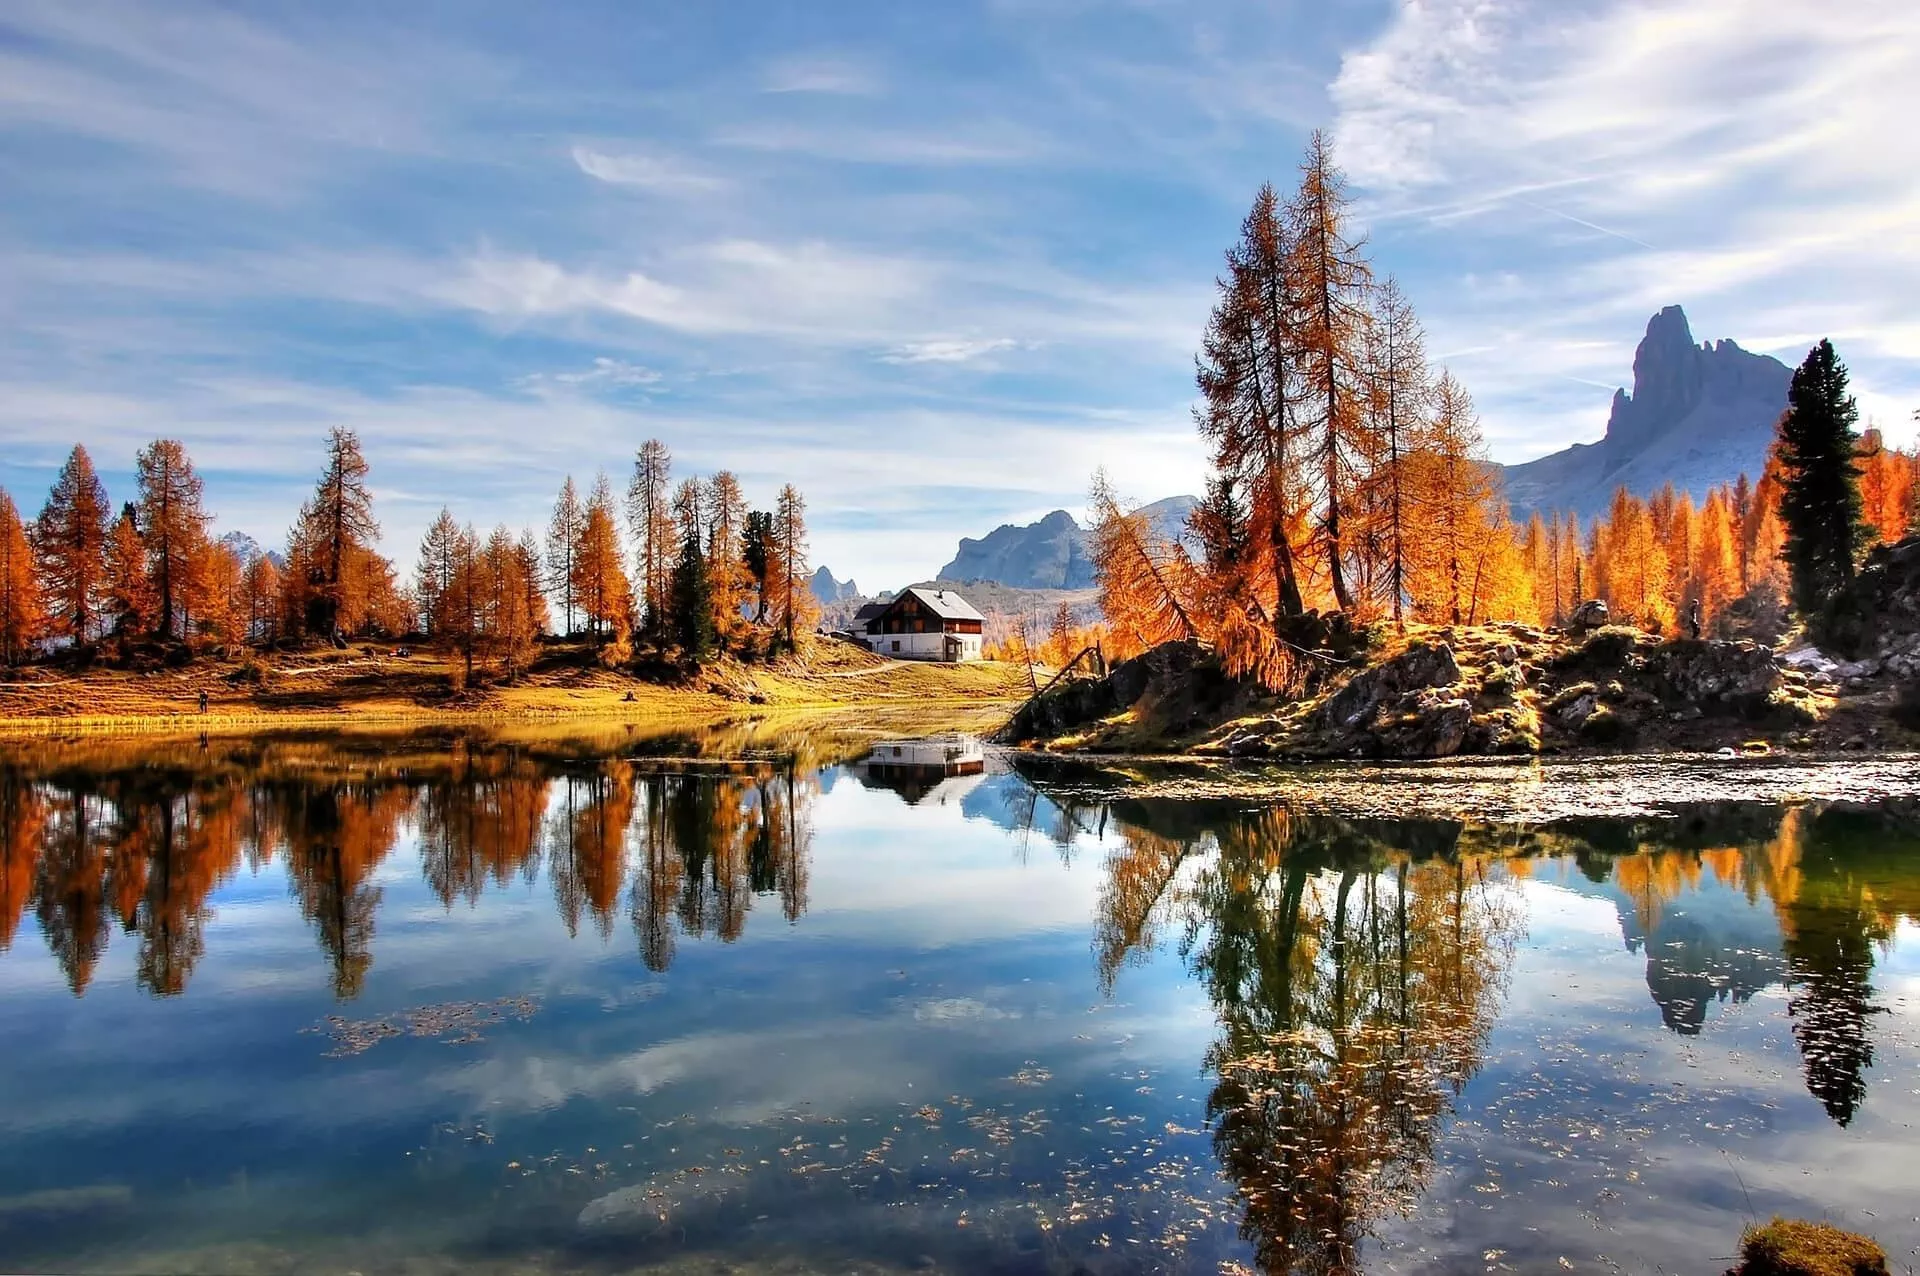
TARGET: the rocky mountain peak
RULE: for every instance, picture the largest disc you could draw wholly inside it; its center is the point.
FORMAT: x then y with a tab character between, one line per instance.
1668	378
1698	415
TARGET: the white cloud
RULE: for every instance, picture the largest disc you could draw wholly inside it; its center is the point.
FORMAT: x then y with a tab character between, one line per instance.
821	73
973	143
1743	158
647	171
606	372
947	350
225	102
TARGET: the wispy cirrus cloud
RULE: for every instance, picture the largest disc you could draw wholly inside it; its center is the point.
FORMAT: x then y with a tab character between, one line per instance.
648	171
947	350
822	73
1730	155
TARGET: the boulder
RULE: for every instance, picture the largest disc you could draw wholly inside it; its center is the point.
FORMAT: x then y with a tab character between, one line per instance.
1809	660
1574	714
1592	614
1424	724
1717	677
1422	665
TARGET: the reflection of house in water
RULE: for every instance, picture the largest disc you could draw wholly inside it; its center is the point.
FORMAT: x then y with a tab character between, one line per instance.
919	769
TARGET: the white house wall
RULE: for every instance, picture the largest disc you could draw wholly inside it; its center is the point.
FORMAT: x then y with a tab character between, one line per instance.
924	646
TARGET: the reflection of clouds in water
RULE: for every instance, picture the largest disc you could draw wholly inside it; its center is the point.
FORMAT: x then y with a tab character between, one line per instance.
1683	1120
957	1010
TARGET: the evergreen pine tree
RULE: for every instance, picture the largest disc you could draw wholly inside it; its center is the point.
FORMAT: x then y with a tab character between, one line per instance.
1820	504
756	553
692	605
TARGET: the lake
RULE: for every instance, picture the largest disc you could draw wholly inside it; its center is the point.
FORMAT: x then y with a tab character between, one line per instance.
790	997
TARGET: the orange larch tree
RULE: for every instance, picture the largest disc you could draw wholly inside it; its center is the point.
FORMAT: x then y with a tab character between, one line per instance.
1886	487
20	615
70	542
173	524
1715	577
1332	283
128	603
1462	515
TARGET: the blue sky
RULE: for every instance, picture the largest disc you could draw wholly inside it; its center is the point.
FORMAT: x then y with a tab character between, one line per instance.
932	263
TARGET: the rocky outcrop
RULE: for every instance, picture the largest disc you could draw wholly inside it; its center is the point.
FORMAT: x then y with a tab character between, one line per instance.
1184	681
1877	622
1498	689
1420	667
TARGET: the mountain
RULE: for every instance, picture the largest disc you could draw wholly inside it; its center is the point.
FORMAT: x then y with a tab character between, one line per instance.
1050	553
828	590
246	549
1699	416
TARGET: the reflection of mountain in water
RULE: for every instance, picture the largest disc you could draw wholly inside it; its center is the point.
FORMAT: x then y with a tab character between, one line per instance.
1722	900
1715	946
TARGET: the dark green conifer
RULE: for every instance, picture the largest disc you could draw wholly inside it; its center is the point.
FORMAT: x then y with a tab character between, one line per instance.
692	612
1820	505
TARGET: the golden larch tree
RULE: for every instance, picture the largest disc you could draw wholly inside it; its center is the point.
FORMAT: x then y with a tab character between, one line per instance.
128	603
1716	562
1457	494
1332	280
20	615
70	542
600	582
1886	487
656	541
173	524
795	610
727	576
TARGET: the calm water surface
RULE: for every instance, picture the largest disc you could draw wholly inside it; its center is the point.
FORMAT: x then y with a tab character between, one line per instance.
780	1000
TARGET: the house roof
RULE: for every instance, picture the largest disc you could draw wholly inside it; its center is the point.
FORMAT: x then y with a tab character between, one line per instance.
943	603
869	610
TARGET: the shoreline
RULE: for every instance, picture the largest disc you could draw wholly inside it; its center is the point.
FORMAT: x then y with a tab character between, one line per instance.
349	691
1499	690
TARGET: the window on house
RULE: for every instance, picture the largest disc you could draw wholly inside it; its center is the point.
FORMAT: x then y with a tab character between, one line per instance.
896	644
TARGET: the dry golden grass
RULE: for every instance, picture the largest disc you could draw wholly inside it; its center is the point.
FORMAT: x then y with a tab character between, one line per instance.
1792	1247
371	686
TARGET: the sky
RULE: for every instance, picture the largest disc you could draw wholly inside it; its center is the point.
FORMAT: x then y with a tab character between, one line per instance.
932	264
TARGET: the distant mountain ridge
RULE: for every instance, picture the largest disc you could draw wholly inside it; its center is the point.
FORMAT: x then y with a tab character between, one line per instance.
1698	416
829	591
1050	553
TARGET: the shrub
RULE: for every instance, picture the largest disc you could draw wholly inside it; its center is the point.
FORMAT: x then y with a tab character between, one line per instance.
1792	1247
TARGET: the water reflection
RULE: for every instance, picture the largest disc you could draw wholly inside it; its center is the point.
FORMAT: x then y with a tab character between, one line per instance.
146	842
1351	971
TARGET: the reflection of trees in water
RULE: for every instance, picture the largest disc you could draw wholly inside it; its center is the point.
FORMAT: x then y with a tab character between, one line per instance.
481	824
709	842
588	844
1836	881
1355	967
1354	1001
22	816
1355	976
147	840
70	888
336	837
